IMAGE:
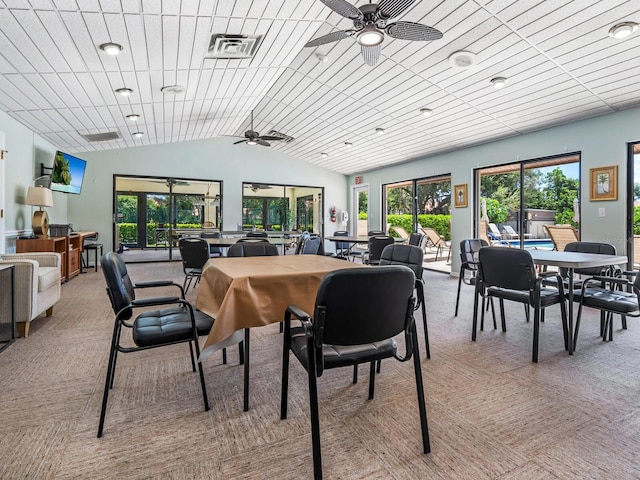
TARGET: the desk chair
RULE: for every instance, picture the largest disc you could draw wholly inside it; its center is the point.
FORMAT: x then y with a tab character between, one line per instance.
90	244
357	313
178	322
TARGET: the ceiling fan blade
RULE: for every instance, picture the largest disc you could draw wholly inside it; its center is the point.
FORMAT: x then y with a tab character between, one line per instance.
413	31
331	37
370	55
393	8
270	137
344	8
239	141
262	142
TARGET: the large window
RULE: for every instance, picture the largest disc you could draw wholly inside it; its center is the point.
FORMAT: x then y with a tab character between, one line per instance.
281	207
522	197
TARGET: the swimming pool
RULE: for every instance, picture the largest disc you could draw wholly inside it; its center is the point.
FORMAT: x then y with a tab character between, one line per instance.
541	243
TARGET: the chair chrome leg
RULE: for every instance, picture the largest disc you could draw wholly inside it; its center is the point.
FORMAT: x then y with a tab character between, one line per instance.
458	296
355	374
284	392
372	379
315	418
424	426
193	363
246	370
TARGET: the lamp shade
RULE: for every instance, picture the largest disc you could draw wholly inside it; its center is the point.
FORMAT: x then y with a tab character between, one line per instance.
39	197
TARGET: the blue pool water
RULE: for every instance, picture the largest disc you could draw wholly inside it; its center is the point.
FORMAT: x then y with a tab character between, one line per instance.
542	243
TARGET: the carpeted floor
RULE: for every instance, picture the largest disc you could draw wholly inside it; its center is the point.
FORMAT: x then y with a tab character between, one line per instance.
492	413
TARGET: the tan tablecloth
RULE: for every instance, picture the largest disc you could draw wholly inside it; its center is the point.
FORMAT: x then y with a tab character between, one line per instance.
255	291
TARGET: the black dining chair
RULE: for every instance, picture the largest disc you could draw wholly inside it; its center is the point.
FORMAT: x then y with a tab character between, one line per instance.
413	257
376	246
469	249
611	295
343	249
509	274
357	313
178	322
258	234
214	251
312	245
194	253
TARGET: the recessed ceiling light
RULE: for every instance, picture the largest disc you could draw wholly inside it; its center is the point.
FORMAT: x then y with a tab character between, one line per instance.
462	60
623	30
348	144
499	82
125	92
370	36
324	155
134	117
172	89
321	58
380	131
426	112
111	48
137	134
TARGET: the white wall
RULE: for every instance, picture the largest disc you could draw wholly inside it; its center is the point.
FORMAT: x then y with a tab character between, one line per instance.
214	159
601	140
25	152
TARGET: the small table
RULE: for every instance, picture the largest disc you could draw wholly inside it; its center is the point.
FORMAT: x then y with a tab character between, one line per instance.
8	304
571	261
246	292
352	240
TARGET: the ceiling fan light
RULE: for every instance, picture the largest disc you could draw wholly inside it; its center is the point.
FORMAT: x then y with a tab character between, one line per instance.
426	112
370	36
623	30
251	142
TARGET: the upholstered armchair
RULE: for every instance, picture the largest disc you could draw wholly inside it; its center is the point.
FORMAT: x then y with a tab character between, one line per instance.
37	289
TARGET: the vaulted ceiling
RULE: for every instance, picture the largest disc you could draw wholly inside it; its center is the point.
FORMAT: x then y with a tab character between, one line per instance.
559	60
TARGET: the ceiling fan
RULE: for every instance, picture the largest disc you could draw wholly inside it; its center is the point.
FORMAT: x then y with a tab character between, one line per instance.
370	25
171	182
254	138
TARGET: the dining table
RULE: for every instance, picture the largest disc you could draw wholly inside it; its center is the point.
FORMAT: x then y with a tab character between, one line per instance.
352	240
247	292
228	241
571	261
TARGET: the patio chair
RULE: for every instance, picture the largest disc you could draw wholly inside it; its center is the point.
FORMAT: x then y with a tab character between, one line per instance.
495	231
357	313
508	230
486	235
437	241
561	235
401	232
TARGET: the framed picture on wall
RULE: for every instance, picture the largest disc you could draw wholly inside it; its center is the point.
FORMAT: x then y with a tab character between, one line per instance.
603	183
460	195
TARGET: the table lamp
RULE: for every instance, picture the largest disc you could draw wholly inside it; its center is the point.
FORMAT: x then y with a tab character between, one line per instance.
40	197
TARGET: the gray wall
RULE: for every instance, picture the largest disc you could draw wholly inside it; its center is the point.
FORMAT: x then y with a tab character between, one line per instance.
215	159
602	141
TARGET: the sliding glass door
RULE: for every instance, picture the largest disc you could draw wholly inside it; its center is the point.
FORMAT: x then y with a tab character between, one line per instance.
518	199
633	205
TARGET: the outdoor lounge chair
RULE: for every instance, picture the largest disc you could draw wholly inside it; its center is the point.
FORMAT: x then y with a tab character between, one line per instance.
561	235
495	231
401	232
508	230
437	241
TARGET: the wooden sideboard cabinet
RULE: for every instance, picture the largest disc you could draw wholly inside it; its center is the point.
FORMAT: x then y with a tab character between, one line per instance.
52	244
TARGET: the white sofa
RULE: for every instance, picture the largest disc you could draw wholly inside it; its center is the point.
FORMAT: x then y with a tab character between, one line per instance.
37	288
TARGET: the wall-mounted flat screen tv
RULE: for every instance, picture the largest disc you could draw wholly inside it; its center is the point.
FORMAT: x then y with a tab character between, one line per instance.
67	173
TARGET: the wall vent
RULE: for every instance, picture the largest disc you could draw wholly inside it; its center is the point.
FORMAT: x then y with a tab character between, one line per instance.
285	138
100	137
223	45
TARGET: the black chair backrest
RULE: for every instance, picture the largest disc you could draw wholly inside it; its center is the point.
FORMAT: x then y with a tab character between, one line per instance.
194	252
363	305
588	247
119	286
415	239
470	247
252	249
372	233
257	234
212	249
376	246
312	246
510	268
341	245
407	255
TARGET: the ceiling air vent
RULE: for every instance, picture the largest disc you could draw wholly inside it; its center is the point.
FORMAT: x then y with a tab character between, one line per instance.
285	138
224	45
100	137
